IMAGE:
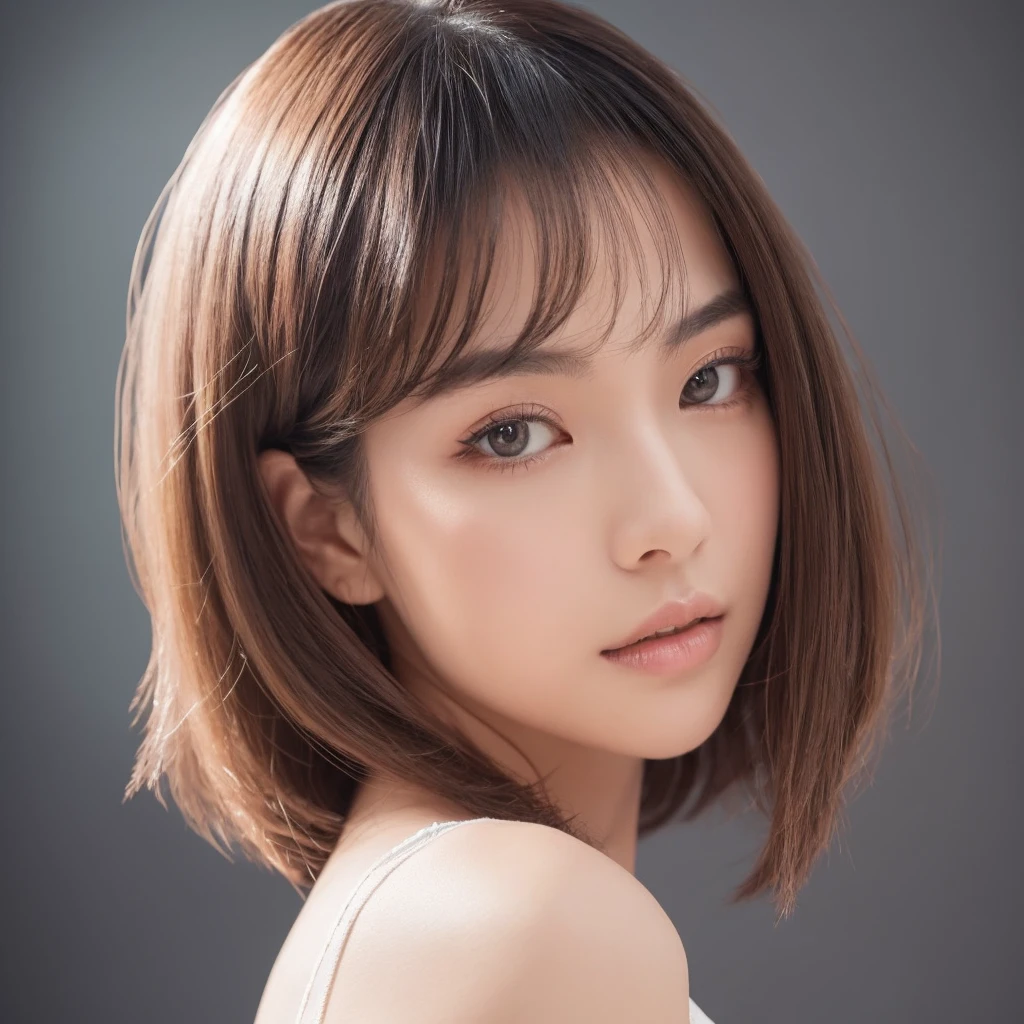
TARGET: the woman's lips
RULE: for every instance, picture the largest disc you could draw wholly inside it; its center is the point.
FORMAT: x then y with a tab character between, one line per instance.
677	612
674	653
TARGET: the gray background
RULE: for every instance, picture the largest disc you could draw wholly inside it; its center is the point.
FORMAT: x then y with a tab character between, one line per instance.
890	135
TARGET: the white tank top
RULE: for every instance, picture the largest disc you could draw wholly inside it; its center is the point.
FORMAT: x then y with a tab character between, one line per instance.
314	999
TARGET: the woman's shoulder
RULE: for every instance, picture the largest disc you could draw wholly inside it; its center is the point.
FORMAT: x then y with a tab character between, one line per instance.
528	870
514	921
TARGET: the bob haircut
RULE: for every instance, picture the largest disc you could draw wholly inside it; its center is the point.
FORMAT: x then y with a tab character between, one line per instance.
280	304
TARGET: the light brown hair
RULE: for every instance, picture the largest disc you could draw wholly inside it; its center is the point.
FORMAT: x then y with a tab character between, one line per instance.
277	300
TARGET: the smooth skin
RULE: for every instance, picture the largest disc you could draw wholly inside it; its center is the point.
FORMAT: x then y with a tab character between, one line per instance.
498	591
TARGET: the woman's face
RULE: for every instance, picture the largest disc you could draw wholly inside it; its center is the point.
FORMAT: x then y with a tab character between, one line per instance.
504	579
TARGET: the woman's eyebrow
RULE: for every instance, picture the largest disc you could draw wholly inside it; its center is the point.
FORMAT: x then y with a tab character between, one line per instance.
479	366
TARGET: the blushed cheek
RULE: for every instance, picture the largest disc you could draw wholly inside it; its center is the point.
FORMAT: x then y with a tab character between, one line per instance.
479	604
424	533
471	565
514	562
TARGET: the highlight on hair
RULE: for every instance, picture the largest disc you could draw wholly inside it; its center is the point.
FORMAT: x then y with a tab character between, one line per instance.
279	299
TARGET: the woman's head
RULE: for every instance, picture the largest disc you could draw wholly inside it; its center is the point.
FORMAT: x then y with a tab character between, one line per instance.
525	522
336	569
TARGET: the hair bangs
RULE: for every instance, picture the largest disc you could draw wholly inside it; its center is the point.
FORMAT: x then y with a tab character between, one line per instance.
576	214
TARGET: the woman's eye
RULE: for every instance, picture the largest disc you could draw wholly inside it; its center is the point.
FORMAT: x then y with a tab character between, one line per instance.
706	385
514	438
743	378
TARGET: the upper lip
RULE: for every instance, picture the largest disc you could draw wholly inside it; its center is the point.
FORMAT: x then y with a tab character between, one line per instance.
675	613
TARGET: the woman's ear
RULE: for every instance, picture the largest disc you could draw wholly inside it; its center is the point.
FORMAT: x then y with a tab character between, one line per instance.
326	532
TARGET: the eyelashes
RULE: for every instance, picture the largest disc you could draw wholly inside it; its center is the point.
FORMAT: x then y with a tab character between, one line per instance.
747	368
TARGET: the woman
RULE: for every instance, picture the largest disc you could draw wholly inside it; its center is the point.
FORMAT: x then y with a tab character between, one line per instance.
411	244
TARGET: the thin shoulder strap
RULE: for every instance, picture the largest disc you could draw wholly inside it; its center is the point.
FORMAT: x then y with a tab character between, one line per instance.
697	1015
314	999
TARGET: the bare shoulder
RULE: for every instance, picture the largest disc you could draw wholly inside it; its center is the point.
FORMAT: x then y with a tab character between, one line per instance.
509	922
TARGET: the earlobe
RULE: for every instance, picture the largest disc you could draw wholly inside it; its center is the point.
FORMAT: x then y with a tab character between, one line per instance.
325	532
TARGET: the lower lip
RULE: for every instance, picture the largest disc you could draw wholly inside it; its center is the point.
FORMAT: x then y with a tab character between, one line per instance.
672	653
